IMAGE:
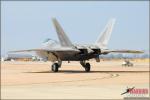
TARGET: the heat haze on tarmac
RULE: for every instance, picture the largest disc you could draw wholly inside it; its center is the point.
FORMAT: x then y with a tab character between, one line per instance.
35	80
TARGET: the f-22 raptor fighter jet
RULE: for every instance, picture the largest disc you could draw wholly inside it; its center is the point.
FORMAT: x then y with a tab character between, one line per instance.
65	50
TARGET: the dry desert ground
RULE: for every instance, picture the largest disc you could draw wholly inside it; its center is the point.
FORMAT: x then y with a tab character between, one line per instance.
107	80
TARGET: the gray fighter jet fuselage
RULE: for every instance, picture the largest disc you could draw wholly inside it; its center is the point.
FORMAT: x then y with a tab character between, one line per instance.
65	50
83	52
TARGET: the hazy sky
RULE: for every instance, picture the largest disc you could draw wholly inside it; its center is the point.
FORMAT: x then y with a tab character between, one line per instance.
25	24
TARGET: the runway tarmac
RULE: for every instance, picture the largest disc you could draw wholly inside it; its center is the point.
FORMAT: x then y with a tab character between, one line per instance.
107	80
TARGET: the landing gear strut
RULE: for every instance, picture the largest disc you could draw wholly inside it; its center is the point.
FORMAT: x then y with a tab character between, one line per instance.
87	66
55	66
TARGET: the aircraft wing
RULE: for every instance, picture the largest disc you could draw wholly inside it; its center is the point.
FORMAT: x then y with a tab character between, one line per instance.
49	54
28	50
121	51
46	50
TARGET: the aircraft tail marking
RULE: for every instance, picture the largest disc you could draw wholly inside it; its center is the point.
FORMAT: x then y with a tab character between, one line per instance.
104	37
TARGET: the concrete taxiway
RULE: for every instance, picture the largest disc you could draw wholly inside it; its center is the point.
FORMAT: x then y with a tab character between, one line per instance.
107	80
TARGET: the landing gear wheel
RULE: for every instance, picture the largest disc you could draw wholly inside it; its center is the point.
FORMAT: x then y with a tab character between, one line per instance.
87	67
55	67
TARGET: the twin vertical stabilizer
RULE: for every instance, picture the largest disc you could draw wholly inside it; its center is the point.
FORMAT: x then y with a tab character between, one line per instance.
63	39
101	42
104	37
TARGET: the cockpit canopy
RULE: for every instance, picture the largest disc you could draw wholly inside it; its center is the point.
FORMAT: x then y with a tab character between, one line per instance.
49	42
46	40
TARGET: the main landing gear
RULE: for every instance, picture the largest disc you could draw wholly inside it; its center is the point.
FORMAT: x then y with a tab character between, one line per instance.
56	66
86	66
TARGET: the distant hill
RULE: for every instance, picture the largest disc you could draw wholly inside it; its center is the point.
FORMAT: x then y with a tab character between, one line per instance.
19	56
